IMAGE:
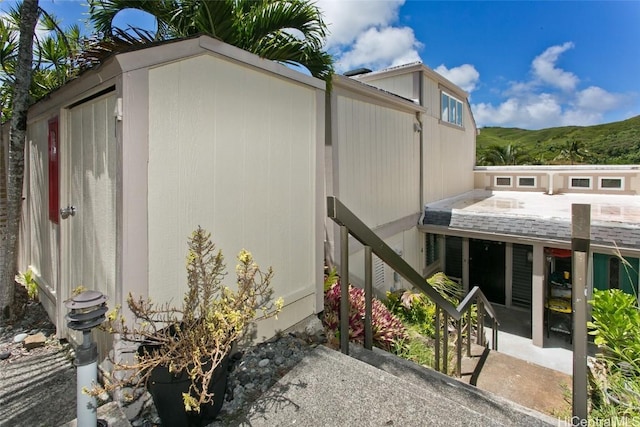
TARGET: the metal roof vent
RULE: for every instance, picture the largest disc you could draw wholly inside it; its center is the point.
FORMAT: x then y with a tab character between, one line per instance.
357	72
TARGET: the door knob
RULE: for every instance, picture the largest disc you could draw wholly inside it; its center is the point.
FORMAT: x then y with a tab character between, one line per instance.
68	211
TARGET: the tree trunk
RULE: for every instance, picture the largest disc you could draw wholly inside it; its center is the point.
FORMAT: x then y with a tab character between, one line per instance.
15	167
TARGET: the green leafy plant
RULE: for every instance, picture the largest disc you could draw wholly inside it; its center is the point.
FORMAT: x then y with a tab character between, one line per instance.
417	309
615	326
196	337
388	330
27	280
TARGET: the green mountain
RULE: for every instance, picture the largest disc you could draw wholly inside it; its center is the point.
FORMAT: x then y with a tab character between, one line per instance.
607	144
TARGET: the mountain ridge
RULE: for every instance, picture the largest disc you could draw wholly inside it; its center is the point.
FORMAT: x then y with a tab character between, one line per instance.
608	143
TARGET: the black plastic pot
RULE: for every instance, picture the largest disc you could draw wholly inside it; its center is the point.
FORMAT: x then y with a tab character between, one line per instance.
166	390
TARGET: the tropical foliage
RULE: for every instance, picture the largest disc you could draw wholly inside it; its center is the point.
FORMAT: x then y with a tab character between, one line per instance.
611	143
287	31
55	56
388	332
417	310
616	371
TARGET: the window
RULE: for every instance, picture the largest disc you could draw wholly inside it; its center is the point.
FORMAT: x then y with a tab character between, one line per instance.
614	273
431	249
526	181
502	181
579	182
451	109
609	183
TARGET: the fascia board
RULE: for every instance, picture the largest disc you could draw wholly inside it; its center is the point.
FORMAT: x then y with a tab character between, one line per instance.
242	56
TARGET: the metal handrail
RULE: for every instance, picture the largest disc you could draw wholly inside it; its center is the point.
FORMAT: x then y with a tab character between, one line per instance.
344	217
350	224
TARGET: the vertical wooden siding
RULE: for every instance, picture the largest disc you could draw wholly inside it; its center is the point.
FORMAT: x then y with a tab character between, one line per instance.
233	150
449	151
92	185
39	239
379	161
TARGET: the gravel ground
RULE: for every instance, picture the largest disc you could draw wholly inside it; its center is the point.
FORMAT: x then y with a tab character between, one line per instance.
38	386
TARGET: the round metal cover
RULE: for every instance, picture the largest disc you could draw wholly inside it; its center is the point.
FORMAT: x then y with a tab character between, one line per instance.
86	299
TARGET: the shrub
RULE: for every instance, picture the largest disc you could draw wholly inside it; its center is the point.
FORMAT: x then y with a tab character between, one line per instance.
417	308
196	336
388	330
615	326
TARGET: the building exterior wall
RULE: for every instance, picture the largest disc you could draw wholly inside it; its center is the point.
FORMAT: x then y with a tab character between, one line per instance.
373	153
557	179
39	236
449	150
448	154
404	85
236	151
379	161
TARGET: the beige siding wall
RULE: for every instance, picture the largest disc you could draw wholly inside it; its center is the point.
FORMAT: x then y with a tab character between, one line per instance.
39	236
234	150
402	84
378	155
449	158
407	243
449	154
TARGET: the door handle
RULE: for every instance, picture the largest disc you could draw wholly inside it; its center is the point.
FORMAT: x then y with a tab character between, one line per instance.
68	211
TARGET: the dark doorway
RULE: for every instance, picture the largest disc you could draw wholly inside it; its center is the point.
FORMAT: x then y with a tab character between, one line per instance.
486	268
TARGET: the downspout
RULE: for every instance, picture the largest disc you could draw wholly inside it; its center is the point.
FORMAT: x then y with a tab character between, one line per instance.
418	128
420	124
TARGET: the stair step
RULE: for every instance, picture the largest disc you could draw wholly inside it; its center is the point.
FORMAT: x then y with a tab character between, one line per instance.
332	389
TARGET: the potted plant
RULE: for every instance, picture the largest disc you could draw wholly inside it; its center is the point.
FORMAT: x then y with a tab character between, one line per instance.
182	352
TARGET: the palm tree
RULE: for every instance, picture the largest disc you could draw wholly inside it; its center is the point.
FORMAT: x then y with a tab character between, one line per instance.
288	31
499	155
15	172
27	73
55	56
573	151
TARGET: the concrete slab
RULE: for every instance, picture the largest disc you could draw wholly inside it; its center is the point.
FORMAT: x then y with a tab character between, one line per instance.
330	389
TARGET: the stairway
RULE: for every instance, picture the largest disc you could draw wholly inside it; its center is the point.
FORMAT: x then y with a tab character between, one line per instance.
374	388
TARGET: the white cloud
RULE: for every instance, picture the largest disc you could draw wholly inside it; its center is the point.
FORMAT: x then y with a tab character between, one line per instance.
379	48
532	112
362	34
544	68
550	98
466	76
347	19
595	98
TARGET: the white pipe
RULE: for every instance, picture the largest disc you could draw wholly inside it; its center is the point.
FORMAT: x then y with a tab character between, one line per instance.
86	404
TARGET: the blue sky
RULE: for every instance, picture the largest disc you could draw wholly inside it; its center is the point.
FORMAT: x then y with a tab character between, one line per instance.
525	64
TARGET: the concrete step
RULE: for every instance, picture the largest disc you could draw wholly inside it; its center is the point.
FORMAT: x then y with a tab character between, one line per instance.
331	389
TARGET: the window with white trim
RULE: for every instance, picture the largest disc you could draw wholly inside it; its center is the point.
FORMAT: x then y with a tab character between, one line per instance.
502	181
580	182
611	183
451	109
527	181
